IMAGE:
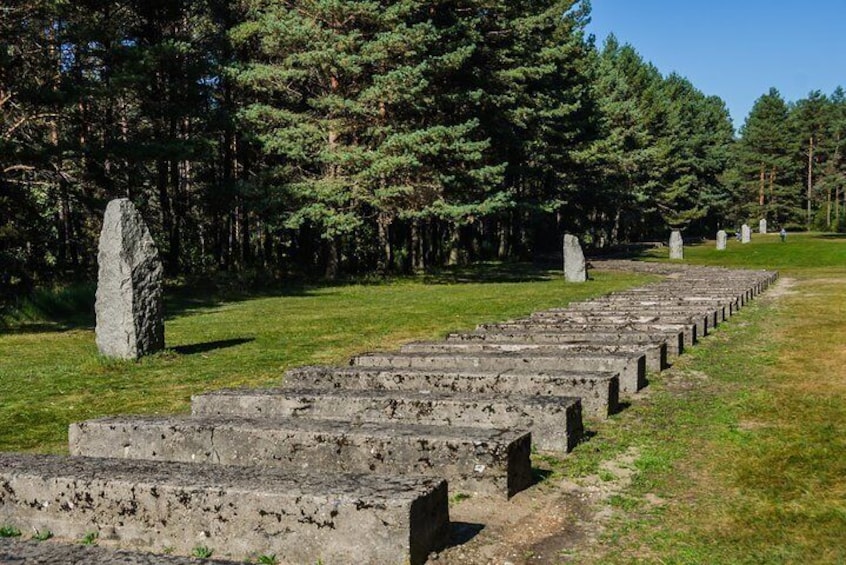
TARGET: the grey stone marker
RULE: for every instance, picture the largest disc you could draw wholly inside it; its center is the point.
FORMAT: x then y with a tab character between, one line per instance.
721	240
676	245
762	226
574	260
130	322
745	234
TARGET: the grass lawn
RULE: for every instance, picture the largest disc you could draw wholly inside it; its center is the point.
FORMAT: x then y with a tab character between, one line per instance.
737	454
741	447
51	375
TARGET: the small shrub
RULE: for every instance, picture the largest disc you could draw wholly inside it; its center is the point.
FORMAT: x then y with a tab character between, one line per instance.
90	538
202	552
42	535
267	559
9	532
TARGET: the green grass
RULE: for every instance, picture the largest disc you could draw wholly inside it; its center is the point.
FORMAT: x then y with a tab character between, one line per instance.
801	255
743	440
51	375
742	443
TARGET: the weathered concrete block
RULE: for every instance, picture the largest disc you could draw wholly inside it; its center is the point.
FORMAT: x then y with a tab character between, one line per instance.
704	318
722	238
599	392
762	226
688	331
653	304
630	366
599	323
30	552
672	341
574	260
676	245
655	353
745	234
493	462
130	321
236	511
555	421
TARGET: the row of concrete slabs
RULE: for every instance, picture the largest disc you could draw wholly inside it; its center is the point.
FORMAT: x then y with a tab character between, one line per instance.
357	463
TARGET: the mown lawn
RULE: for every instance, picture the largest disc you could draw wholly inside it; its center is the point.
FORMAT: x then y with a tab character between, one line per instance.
741	447
51	375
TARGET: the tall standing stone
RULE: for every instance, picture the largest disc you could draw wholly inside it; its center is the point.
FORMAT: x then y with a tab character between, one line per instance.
762	226
129	310
676	245
721	240
745	234
574	260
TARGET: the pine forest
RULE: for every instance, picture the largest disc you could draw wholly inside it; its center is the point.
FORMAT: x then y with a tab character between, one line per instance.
334	137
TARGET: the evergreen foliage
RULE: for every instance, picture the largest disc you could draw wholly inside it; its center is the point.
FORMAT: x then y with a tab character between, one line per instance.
340	136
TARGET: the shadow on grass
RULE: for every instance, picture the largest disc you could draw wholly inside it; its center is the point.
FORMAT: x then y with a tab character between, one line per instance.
195	348
491	272
832	236
622	405
73	307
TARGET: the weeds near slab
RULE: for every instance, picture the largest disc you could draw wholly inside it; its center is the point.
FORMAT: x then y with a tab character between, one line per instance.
267	559
202	552
90	538
9	532
42	535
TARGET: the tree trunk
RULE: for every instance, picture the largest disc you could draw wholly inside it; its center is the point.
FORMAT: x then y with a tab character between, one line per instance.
828	207
761	186
416	247
502	251
810	177
165	210
454	257
386	253
332	261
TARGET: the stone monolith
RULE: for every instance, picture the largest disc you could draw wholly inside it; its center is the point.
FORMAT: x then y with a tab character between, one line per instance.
762	226
721	240
130	322
676	245
745	234
574	260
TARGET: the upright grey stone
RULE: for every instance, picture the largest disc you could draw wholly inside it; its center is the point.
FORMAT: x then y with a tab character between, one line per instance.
762	226
129	285
574	260
745	234
721	240
676	245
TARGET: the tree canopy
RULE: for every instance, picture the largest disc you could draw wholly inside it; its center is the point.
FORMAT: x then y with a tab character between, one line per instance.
329	137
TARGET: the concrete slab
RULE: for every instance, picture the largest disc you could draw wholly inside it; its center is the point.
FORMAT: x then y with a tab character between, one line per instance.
555	421
700	321
656	353
706	319
31	552
598	391
689	329
478	460
673	340
236	511
630	366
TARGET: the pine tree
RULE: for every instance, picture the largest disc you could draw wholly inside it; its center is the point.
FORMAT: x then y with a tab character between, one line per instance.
694	153
28	116
811	120
625	152
765	165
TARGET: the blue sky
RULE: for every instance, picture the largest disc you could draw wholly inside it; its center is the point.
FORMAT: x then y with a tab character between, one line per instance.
735	49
